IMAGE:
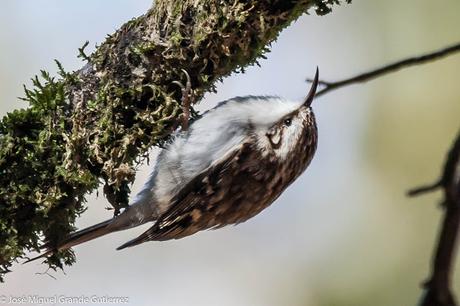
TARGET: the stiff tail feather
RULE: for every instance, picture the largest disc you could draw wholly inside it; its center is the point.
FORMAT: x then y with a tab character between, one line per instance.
133	216
76	238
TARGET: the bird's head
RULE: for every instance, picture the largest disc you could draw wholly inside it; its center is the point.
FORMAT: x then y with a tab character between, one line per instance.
295	128
280	128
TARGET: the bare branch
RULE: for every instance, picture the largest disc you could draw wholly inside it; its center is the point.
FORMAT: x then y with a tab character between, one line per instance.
438	287
424	189
373	74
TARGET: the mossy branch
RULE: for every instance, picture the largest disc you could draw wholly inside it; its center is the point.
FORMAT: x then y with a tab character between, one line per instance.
92	126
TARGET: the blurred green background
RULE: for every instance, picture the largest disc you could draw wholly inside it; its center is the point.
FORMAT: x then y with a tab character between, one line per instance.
344	233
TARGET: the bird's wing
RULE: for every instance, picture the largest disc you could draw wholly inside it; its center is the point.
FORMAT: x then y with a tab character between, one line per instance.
204	202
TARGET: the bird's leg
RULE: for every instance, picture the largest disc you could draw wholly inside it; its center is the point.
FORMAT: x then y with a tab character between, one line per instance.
187	100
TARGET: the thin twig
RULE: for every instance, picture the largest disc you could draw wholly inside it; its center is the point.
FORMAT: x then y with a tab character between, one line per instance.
425	189
370	75
438	290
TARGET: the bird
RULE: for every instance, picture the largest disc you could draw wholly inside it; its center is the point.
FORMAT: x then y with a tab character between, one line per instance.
230	164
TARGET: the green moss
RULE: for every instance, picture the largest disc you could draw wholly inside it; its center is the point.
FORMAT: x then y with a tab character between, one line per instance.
324	7
93	127
35	190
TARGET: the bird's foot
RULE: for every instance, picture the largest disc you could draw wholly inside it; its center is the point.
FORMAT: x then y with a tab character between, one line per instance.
187	100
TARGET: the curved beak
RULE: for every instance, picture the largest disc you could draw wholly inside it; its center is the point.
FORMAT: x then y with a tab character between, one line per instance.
312	92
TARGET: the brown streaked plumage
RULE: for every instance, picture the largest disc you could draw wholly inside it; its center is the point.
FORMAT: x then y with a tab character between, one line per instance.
213	200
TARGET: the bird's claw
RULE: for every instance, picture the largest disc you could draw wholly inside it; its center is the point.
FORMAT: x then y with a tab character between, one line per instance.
187	99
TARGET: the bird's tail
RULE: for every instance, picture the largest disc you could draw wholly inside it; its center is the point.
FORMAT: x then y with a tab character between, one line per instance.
133	216
76	238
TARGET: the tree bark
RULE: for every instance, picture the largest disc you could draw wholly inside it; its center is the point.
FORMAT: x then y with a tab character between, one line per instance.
94	125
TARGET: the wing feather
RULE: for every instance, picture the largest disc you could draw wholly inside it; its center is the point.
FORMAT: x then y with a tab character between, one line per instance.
174	222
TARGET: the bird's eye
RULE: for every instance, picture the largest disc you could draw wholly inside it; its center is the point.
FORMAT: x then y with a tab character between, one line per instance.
287	122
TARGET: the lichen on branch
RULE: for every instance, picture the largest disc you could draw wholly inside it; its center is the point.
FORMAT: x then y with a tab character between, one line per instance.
92	126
